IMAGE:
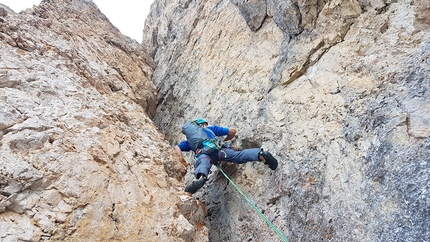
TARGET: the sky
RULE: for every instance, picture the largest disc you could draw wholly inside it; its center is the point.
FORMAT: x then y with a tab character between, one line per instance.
127	15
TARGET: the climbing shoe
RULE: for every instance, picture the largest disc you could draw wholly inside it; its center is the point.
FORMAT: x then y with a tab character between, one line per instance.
195	185
268	159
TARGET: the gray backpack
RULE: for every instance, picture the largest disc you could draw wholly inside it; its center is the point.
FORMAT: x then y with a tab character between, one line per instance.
198	139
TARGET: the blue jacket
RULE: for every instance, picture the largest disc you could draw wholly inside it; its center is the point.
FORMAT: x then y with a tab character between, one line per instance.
216	130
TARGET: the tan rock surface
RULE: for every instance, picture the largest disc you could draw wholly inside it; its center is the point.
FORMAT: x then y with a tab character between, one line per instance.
337	90
80	158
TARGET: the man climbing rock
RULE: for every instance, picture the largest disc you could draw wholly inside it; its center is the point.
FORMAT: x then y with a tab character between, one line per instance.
204	142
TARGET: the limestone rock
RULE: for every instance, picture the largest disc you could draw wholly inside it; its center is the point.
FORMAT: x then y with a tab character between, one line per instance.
287	16
80	158
337	90
254	12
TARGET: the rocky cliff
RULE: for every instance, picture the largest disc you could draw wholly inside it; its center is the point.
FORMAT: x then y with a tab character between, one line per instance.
80	158
337	90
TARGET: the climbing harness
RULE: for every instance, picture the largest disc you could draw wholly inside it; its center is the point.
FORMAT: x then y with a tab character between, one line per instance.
255	208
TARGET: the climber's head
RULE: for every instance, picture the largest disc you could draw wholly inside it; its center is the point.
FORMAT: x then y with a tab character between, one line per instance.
201	122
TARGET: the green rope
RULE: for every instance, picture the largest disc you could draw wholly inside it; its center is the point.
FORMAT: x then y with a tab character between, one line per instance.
255	208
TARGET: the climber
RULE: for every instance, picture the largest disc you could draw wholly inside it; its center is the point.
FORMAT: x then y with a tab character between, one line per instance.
205	157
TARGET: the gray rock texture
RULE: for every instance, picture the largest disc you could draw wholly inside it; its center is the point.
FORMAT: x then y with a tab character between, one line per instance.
80	157
337	90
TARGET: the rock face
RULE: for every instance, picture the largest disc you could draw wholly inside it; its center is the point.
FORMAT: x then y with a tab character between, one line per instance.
337	90
80	158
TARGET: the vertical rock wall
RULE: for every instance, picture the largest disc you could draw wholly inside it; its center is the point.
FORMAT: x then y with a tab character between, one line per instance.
337	90
80	158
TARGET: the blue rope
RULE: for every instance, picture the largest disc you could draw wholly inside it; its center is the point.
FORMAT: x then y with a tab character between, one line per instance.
255	208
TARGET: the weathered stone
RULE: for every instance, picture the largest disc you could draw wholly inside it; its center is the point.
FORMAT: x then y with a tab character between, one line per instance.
337	90
80	158
287	16
254	12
